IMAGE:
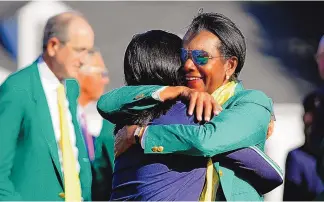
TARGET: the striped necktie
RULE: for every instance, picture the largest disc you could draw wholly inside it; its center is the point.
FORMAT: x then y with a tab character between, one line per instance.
88	138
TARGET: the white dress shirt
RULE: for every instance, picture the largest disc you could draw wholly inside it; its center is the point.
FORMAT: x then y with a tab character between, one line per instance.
50	84
92	118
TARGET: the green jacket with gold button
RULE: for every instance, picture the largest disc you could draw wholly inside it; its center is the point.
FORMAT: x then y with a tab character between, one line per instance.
30	168
242	123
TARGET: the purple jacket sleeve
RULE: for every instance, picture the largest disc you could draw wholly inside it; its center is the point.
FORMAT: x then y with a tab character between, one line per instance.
251	164
255	167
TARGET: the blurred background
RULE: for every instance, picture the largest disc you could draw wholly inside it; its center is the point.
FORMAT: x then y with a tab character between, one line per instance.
282	40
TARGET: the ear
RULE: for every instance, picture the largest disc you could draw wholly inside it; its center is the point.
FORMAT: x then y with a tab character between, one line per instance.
52	46
231	65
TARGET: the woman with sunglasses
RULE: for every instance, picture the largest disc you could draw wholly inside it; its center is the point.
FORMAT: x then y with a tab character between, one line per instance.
214	53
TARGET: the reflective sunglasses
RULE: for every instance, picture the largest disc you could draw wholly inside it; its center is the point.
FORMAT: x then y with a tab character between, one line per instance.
199	57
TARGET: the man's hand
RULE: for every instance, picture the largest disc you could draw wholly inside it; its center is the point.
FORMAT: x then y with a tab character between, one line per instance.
124	139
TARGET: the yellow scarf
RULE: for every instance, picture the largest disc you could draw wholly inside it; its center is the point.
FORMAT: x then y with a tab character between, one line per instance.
221	95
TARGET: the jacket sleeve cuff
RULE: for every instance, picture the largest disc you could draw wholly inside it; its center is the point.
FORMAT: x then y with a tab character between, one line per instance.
143	138
156	94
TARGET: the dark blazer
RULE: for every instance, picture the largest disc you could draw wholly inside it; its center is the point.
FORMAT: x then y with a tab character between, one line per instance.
302	182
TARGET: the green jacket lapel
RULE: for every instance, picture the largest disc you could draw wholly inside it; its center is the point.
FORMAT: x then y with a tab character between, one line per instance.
45	120
72	92
226	175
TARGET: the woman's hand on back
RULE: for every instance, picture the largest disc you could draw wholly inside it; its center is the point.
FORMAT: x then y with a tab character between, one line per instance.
124	139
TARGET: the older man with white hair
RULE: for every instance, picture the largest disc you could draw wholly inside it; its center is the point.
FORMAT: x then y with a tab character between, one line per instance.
97	133
42	152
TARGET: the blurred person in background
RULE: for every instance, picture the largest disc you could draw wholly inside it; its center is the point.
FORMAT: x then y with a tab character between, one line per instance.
320	161
98	135
320	58
302	183
42	153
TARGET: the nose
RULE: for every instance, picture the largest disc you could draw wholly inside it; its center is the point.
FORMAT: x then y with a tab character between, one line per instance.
189	66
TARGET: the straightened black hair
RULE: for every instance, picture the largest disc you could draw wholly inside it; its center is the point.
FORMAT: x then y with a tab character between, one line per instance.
232	39
152	58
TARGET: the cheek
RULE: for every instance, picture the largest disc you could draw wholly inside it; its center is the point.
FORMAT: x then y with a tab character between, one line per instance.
98	88
88	84
214	77
60	58
64	53
69	58
94	83
65	62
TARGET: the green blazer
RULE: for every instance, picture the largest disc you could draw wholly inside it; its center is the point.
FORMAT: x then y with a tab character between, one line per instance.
29	161
103	164
243	123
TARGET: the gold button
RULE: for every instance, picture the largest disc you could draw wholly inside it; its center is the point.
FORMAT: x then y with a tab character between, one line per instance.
154	149
160	149
220	173
62	195
139	96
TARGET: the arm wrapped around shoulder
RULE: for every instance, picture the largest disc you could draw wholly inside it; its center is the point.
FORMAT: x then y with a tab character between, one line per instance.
119	103
243	123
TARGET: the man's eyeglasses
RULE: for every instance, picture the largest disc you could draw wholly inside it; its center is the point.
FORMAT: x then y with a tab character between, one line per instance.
199	57
94	70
